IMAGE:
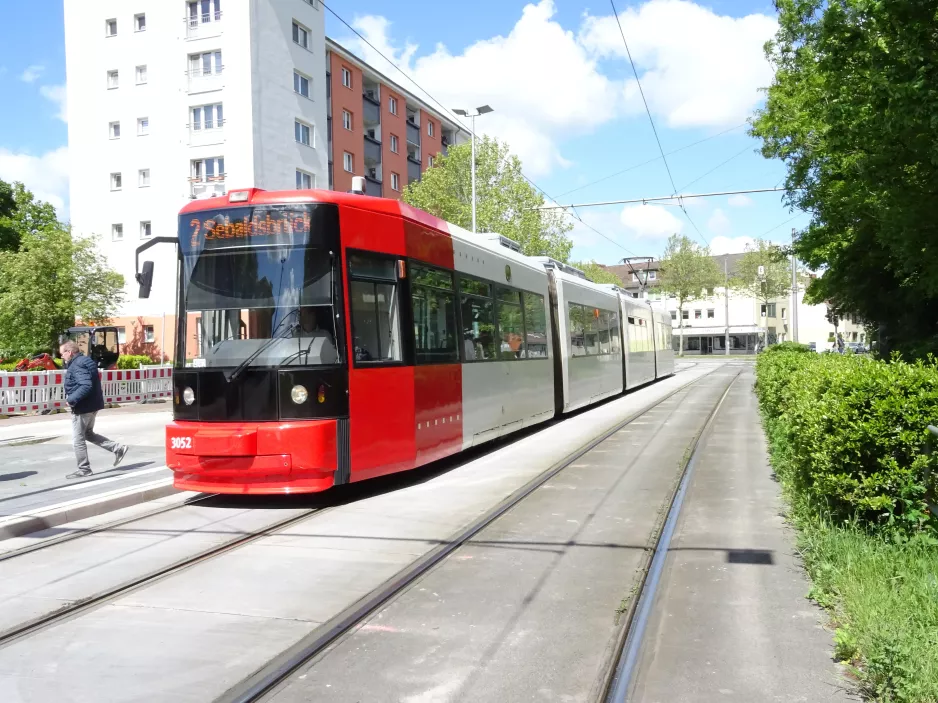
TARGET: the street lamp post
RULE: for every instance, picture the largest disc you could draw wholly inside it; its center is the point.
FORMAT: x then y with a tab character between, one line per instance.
473	114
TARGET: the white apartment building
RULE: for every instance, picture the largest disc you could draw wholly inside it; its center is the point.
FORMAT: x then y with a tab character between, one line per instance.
171	100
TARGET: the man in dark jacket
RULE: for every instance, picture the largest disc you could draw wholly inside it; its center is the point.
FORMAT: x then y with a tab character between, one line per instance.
84	396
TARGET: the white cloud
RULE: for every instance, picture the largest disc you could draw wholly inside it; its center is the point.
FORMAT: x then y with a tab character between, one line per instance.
652	221
56	93
697	68
729	245
719	223
32	73
739	200
46	175
539	79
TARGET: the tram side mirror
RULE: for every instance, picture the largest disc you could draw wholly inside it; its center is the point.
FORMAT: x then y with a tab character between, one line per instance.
145	279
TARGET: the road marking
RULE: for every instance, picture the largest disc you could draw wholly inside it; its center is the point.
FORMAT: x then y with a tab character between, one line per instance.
101	481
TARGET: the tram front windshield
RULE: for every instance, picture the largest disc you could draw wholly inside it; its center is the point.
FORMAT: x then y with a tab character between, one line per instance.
257	285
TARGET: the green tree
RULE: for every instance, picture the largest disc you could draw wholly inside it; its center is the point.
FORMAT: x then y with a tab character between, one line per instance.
851	113
764	274
506	202
49	280
686	271
9	240
597	273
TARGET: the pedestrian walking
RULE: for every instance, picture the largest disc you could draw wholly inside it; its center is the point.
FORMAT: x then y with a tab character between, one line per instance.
85	398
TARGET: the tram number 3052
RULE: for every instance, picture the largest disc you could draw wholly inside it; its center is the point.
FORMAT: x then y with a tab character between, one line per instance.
181	443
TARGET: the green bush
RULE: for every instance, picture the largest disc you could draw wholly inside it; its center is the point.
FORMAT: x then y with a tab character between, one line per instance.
133	361
850	432
788	347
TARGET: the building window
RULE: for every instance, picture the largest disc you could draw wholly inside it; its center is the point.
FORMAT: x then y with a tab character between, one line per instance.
149	335
312	3
698	315
205	170
347	162
143	177
300	35
207	63
207	117
392	105
110	28
145	230
674	314
117	232
112	80
140	22
300	84
652	275
429	162
395	182
143	126
302	133
114	130
710	313
115	181
347	119
346	77
304	181
204	11
394	143
685	314
122	335
783	313
768	310
429	128
141	75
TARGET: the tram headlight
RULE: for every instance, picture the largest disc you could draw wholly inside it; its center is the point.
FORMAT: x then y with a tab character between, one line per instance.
188	395
298	394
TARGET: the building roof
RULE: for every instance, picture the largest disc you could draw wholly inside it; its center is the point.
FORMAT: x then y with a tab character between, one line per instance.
368	69
624	272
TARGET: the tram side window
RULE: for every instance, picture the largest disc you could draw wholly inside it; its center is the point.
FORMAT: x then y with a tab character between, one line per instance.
535	324
433	297
615	341
510	324
577	314
375	307
478	319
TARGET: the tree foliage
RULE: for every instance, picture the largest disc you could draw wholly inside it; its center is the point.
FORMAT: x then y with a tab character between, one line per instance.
852	113
686	271
9	240
775	280
597	273
505	201
49	279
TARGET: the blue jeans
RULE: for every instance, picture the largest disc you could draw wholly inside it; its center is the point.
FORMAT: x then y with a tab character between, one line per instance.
82	430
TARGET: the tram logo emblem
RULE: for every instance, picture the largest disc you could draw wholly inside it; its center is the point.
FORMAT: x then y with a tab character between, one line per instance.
508	273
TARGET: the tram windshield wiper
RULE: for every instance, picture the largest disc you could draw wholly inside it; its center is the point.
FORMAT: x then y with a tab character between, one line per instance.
279	333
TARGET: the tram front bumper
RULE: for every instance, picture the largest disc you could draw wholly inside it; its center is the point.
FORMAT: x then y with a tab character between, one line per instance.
253	458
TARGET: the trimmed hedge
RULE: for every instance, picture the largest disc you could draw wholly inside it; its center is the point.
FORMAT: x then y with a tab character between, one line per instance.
133	361
852	431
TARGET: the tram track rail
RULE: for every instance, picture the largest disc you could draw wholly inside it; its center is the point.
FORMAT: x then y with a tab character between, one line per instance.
269	678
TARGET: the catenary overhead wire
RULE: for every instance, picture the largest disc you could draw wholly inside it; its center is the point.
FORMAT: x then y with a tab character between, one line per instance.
446	110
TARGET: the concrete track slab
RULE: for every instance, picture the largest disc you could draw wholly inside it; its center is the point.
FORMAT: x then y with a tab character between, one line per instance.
731	622
420	512
528	609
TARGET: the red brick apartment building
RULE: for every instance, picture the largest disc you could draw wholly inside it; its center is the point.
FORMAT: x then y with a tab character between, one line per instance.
377	129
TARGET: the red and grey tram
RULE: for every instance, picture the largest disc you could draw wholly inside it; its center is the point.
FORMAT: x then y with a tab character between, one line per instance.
325	338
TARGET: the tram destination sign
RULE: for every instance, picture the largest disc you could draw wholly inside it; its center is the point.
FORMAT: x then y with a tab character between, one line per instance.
249	226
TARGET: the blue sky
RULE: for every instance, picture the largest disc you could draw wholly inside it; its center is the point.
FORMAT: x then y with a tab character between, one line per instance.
564	98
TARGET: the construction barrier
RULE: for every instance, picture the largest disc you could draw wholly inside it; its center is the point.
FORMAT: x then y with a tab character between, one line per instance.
35	391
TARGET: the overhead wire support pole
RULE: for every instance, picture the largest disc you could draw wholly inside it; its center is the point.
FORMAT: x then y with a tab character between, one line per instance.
684	196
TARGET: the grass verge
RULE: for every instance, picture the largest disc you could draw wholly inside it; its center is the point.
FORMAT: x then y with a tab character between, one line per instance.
881	592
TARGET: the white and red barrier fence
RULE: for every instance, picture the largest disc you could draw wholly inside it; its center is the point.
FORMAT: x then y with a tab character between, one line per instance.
33	391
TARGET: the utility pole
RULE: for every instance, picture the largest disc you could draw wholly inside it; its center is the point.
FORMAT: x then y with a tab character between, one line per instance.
794	289
726	300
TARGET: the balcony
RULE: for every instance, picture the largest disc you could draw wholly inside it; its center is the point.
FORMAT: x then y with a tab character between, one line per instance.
372	187
372	151
205	136
201	81
371	113
413	170
211	187
201	25
413	133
